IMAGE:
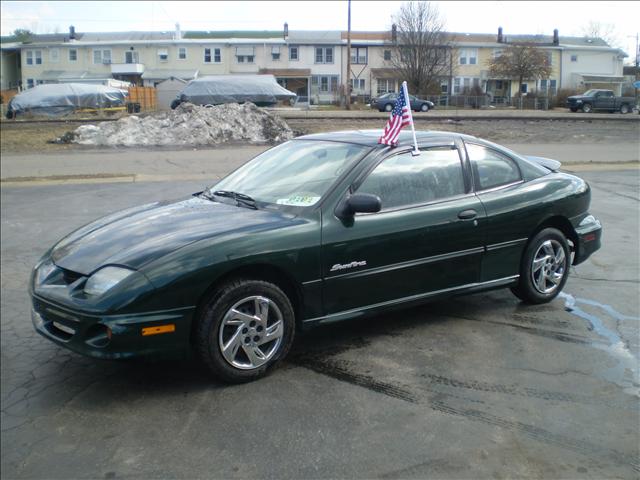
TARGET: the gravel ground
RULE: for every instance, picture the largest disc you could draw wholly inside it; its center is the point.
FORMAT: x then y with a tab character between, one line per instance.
33	137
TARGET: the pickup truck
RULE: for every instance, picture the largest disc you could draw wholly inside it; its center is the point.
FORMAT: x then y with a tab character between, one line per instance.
596	99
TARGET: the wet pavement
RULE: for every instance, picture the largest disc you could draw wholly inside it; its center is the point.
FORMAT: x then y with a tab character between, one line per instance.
472	387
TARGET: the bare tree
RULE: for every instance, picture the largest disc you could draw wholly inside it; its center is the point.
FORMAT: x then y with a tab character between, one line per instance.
521	62
422	52
605	31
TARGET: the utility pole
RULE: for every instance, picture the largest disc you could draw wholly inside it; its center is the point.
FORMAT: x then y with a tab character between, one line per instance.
348	82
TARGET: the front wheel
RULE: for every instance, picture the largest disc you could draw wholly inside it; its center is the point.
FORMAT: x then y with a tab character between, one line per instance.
586	108
624	108
388	107
424	107
544	268
245	330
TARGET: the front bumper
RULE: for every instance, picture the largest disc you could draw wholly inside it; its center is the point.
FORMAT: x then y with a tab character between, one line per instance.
589	239
112	336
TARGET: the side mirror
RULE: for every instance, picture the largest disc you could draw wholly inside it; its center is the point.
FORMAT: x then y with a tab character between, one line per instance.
358	203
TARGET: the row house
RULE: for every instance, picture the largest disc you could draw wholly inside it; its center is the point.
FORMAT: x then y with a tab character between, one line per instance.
312	64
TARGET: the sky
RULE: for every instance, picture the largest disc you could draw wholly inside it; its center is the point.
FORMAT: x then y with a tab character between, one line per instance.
460	16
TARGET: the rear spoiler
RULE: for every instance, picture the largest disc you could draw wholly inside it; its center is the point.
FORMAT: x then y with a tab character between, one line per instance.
547	163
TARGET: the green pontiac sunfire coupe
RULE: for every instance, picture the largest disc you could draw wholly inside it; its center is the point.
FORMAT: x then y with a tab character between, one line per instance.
322	228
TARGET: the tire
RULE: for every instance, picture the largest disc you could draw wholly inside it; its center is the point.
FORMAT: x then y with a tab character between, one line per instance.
586	108
624	108
544	268
388	107
424	107
231	316
574	110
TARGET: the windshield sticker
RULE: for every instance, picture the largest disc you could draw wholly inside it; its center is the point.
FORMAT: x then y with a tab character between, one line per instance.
298	200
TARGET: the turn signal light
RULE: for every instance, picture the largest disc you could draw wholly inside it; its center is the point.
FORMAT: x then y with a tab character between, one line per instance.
158	330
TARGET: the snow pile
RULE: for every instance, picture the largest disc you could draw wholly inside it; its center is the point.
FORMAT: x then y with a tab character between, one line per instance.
189	124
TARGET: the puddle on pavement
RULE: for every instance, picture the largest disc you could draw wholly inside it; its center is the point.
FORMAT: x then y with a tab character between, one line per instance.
616	347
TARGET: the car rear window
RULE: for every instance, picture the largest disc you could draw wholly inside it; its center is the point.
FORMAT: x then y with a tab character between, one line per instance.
491	169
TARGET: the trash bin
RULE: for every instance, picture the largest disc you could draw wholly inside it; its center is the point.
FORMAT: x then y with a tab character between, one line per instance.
133	107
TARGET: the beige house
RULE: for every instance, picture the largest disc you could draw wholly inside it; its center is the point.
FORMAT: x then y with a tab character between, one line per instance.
312	64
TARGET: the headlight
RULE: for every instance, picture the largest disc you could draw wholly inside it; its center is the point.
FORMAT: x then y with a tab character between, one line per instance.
578	101
44	271
105	279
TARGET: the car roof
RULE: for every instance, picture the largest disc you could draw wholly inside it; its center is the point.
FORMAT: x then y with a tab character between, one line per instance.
370	137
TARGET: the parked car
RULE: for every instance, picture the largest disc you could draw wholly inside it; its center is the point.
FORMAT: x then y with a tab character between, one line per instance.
322	228
597	99
385	103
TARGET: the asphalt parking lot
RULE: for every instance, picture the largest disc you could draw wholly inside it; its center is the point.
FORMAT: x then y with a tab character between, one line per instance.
472	387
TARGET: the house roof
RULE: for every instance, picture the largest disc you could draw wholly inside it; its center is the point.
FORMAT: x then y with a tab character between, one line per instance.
63	75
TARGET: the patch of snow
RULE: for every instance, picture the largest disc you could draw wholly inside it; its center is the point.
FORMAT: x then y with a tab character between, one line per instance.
188	125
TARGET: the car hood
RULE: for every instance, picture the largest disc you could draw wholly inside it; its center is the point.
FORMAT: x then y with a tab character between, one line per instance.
138	235
577	97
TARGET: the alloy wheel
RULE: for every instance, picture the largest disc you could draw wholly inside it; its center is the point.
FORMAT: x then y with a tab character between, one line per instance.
251	332
548	267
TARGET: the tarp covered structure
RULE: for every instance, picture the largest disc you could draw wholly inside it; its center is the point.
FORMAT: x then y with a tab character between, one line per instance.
262	90
62	98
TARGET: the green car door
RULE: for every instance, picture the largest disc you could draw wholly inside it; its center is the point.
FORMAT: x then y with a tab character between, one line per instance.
427	237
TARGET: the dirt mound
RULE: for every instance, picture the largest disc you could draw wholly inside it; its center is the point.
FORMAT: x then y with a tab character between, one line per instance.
188	124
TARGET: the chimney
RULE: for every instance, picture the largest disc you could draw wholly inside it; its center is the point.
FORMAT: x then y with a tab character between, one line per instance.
499	34
394	33
72	32
556	38
178	35
286	30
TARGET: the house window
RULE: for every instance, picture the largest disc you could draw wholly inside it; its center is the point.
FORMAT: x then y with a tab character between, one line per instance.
245	54
275	53
385	85
163	54
359	55
357	83
182	53
73	55
131	56
216	55
387	54
54	55
325	83
553	87
523	88
574	58
293	52
468	56
543	85
456	85
497	52
34	57
498	84
324	54
444	87
30	82
101	56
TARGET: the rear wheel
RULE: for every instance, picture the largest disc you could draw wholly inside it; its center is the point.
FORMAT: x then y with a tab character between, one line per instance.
624	108
245	330
574	110
544	268
388	107
586	108
424	107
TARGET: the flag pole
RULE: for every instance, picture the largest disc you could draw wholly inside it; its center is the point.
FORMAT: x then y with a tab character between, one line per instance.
415	150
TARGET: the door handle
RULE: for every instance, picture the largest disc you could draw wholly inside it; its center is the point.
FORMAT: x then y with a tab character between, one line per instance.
468	214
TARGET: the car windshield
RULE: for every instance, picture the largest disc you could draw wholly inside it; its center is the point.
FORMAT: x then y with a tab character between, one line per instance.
590	93
296	173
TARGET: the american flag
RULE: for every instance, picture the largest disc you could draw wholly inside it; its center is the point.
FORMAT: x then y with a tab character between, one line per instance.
400	117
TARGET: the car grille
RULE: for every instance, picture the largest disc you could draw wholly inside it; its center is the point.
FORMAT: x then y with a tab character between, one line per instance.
70	277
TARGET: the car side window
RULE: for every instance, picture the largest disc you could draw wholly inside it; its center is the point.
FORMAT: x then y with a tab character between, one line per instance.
491	169
403	180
